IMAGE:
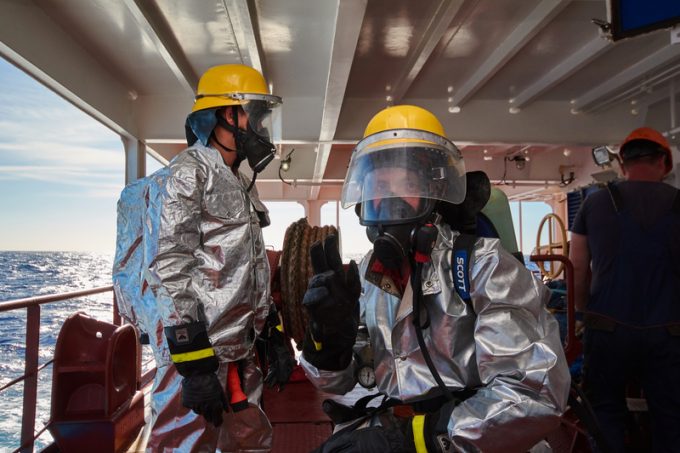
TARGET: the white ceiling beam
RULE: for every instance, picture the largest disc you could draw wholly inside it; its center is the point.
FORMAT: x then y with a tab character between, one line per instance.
350	16
244	32
644	102
66	68
466	128
152	23
441	16
647	65
673	107
520	36
562	71
528	193
647	84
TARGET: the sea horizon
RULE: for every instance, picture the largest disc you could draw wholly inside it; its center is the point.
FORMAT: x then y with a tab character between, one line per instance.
58	251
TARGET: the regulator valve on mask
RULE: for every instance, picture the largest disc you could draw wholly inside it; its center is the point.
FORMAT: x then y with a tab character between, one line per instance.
425	239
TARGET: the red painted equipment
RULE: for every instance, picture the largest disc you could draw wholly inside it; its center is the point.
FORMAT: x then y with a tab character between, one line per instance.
96	402
237	399
573	346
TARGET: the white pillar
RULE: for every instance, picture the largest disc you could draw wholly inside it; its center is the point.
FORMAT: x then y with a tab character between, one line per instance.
135	159
313	211
521	232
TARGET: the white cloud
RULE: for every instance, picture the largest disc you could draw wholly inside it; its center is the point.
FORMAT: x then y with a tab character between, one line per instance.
66	154
94	184
55	125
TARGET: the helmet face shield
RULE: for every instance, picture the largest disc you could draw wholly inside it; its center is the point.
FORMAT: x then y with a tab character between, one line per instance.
394	210
263	118
262	109
418	170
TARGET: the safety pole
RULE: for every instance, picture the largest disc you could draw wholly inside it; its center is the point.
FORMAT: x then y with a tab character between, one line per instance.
521	235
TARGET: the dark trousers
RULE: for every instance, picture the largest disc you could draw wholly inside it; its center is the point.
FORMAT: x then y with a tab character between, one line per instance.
648	356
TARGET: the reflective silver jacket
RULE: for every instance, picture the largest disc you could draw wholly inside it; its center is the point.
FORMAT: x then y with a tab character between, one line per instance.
504	343
190	247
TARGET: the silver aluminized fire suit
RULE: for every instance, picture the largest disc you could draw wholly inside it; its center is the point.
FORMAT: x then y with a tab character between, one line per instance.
504	343
190	248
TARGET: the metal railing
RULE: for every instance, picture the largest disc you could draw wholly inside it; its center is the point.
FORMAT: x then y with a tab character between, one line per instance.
572	346
31	368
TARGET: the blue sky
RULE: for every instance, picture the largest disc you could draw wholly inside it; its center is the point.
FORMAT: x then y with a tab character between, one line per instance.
61	173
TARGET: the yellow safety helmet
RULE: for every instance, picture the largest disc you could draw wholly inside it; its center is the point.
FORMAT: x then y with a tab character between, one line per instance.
406	137
404	117
232	85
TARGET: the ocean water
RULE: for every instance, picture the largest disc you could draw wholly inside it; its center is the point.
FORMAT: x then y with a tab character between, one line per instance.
26	274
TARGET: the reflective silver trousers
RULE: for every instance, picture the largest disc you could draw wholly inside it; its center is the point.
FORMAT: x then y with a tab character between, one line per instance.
178	429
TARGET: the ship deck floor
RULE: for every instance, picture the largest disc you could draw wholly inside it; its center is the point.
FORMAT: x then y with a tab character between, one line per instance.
298	422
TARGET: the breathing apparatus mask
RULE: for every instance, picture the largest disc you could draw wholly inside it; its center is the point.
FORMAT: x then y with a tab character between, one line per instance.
394	237
395	183
252	143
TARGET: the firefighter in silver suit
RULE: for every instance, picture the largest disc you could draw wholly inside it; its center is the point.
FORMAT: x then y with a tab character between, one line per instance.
192	273
462	343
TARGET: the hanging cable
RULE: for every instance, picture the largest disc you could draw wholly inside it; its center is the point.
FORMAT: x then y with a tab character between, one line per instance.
285	166
417	299
252	182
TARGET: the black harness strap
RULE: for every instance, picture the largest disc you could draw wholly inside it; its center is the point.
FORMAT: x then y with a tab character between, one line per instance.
460	266
615	196
617	199
461	257
417	300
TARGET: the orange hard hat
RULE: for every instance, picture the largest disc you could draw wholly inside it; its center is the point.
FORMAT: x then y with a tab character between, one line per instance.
650	135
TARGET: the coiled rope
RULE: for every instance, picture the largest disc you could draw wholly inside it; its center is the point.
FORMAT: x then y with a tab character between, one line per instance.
296	270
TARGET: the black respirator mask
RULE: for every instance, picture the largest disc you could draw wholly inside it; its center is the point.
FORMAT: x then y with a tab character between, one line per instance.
393	242
258	150
250	145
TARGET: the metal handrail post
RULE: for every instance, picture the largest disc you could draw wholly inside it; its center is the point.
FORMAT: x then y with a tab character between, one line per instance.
31	381
38	300
573	345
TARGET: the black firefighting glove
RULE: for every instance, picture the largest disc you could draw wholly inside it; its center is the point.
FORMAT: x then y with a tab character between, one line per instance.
195	360
280	359
332	302
376	439
391	435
